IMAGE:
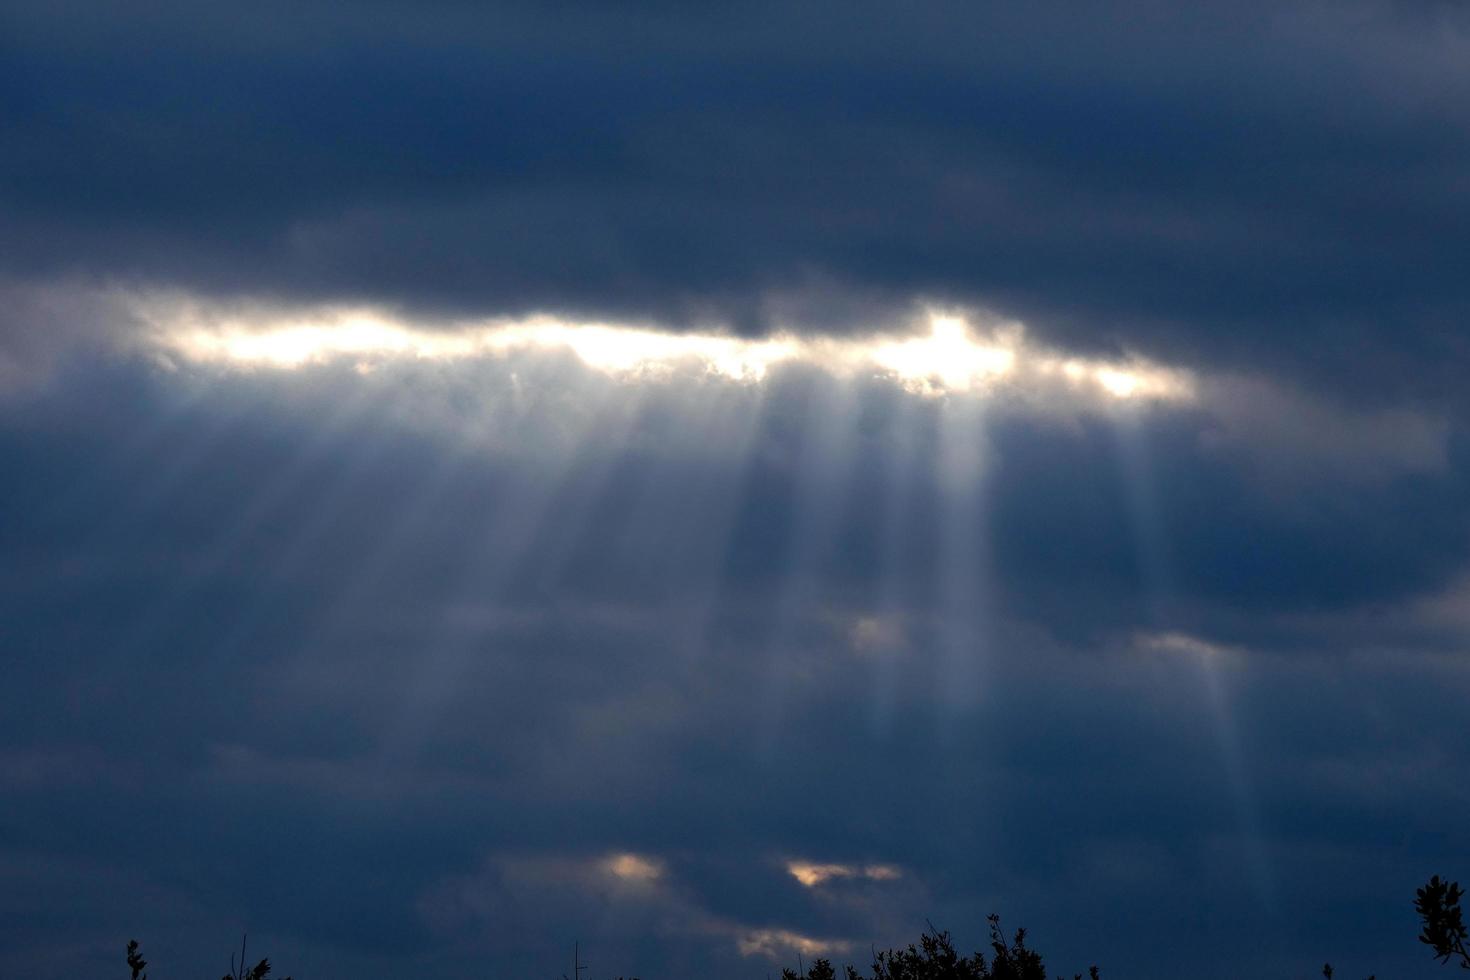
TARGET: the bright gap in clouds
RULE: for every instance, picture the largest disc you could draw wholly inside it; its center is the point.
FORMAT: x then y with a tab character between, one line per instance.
811	874
952	357
633	867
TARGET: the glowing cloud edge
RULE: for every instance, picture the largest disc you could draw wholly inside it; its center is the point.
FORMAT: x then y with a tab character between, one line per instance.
952	358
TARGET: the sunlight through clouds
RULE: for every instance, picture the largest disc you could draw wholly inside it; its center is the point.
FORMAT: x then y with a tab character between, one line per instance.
632	868
952	357
779	943
811	875
949	359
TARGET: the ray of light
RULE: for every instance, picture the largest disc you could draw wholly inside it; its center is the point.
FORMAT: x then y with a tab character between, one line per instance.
273	491
401	528
1240	785
607	447
514	541
1145	519
697	521
901	460
964	588
1151	549
168	479
821	475
669	500
275	496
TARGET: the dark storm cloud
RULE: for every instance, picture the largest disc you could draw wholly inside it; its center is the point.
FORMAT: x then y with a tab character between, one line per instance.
1268	185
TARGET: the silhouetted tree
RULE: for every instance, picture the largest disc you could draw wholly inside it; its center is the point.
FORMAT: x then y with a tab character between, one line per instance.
260	971
1438	905
136	963
935	958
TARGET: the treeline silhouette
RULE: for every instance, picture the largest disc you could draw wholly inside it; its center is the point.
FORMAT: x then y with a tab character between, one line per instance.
934	956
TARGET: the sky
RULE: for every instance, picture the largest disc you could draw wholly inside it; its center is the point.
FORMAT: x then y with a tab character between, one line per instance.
725	484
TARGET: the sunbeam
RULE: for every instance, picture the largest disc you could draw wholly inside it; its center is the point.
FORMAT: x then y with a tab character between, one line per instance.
701	518
180	470
964	590
820	465
1240	786
522	539
1151	552
899	461
272	502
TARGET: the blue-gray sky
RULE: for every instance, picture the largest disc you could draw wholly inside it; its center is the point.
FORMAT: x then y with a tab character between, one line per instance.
719	483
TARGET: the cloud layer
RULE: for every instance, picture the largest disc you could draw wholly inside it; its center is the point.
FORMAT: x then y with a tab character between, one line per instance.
1268	183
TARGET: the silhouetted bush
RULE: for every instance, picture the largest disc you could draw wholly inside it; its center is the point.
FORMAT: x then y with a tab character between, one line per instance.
934	958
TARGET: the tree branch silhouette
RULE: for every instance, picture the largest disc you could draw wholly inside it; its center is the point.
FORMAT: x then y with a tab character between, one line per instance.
1438	905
